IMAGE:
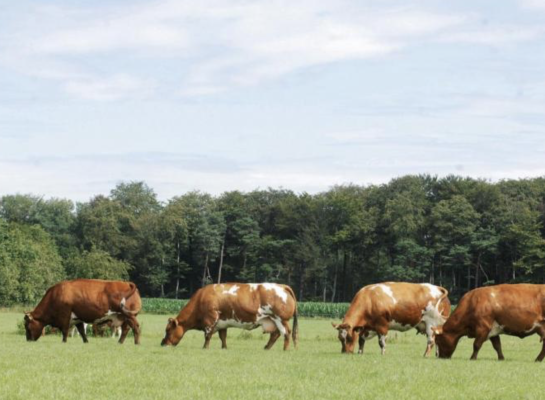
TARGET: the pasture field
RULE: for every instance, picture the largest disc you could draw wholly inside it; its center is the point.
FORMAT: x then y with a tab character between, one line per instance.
102	369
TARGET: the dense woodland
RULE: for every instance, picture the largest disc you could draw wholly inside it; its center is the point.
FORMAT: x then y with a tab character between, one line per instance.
457	232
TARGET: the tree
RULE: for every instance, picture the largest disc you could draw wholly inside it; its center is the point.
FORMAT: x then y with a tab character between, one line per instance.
97	264
29	263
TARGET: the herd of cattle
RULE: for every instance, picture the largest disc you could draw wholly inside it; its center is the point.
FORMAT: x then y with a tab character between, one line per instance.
484	313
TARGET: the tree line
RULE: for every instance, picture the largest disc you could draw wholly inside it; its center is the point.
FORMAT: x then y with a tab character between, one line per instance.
457	232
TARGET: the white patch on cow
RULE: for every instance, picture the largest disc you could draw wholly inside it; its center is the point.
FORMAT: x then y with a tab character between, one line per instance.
279	290
278	322
492	294
434	290
431	317
265	310
232	290
396	326
496	330
123	301
253	286
234	323
344	333
535	326
387	291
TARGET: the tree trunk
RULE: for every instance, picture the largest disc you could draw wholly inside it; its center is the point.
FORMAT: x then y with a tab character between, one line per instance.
205	271
221	260
301	282
334	291
177	269
177	287
343	276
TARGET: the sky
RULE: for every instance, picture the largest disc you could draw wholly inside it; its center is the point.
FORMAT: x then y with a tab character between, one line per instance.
219	95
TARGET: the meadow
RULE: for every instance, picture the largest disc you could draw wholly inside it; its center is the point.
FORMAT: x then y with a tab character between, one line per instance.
316	370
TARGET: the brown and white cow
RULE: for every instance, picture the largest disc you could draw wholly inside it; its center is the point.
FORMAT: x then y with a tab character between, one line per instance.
86	301
214	308
398	306
487	312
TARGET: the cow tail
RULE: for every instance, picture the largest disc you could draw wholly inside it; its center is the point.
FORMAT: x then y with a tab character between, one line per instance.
443	296
295	326
132	290
125	310
295	329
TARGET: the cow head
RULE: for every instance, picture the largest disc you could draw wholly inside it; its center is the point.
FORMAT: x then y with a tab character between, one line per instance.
33	328
348	336
446	344
174	332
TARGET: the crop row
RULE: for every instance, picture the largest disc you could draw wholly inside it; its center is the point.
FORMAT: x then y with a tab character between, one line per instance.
305	309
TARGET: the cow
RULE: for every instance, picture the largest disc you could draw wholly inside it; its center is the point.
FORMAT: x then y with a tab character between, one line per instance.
487	312
216	307
100	329
86	301
395	306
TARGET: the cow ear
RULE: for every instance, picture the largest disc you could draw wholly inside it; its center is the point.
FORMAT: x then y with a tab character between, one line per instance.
173	322
28	317
334	325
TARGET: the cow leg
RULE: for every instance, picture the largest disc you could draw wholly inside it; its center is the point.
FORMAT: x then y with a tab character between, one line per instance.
125	328
382	331
272	339
208	332
65	331
477	344
496	343
223	336
81	330
135	326
382	344
430	344
361	342
287	332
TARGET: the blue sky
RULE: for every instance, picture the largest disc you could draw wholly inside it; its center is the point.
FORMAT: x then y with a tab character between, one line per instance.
219	95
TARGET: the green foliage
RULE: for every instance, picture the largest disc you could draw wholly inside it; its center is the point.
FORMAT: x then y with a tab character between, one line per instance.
97	264
29	263
457	232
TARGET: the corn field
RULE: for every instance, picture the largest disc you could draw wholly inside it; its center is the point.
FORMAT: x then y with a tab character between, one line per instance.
305	309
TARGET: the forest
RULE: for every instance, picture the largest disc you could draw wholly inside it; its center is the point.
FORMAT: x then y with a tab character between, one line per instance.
453	231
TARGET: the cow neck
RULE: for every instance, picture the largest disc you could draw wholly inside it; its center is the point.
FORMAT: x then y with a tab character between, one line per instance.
42	310
355	314
186	317
455	324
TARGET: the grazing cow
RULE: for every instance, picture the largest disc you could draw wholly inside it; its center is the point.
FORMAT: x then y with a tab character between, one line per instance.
397	306
86	301
487	312
237	305
99	329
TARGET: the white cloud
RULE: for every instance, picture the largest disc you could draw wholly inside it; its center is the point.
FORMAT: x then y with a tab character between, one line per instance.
533	4
110	88
495	35
220	44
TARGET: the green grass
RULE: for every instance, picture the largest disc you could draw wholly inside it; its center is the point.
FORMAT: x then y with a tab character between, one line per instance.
317	370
